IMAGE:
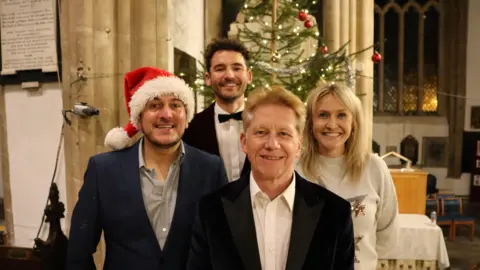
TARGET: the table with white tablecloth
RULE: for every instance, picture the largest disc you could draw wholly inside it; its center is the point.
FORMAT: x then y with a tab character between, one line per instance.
421	245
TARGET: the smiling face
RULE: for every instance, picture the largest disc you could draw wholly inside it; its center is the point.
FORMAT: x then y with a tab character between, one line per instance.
163	121
228	75
332	125
272	142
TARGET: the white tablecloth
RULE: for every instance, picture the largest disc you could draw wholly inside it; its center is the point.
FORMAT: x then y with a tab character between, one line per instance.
420	240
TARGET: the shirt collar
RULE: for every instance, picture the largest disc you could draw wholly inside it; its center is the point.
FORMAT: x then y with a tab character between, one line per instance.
141	160
219	110
288	194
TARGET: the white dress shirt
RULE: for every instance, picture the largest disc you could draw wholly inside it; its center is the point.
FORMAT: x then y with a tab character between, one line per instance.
273	223
228	138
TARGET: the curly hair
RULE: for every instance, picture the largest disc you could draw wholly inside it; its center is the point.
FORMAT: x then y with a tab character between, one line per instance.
224	44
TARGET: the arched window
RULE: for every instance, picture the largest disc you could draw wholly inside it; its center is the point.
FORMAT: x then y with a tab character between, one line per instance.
406	81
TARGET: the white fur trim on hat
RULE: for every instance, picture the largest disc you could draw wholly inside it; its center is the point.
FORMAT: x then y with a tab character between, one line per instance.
117	138
158	87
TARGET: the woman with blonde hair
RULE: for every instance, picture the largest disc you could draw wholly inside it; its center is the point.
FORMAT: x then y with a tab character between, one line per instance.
337	156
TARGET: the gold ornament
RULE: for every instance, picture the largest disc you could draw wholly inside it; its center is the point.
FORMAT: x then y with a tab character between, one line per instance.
275	57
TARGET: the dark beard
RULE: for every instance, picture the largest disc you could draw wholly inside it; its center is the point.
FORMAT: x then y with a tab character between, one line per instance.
229	99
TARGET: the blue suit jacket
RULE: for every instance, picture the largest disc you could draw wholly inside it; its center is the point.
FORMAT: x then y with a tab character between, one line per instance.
111	200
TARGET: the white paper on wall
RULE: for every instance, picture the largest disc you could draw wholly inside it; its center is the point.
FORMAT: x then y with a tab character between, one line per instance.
28	35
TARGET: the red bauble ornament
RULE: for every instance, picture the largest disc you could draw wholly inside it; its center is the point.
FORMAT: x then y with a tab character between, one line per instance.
308	24
302	16
324	49
376	57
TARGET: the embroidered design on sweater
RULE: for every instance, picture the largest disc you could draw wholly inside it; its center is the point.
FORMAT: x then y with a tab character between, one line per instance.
358	209
357	239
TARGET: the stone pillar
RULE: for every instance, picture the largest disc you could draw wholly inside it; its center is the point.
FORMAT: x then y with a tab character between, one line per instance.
331	24
101	41
352	34
152	40
344	22
213	19
213	28
126	61
365	35
353	21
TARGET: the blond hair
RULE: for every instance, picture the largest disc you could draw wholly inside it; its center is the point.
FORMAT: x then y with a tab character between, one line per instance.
274	95
356	146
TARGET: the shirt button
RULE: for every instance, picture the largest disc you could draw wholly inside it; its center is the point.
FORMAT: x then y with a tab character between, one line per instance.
164	229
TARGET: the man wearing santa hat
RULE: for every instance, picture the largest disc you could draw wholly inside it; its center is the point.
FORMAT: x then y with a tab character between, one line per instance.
143	197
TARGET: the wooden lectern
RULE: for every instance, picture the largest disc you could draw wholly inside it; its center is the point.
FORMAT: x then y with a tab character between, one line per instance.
411	187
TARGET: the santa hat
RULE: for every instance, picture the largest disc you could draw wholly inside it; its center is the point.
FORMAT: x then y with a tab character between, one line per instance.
141	86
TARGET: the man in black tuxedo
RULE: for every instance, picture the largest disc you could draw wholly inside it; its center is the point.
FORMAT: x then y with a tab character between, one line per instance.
272	218
217	129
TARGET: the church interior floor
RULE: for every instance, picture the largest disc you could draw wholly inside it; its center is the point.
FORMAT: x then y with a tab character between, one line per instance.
462	252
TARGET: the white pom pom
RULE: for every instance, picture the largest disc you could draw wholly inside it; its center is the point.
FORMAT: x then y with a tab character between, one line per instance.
117	139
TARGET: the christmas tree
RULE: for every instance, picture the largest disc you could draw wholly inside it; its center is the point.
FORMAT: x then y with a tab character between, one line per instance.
286	48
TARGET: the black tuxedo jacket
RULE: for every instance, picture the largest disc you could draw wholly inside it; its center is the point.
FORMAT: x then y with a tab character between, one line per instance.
224	231
201	134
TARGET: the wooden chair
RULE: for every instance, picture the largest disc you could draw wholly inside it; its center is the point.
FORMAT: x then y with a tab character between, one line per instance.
442	195
444	191
452	208
443	221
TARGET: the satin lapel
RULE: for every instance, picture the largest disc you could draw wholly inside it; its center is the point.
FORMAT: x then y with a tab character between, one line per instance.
240	219
131	172
209	130
246	167
307	210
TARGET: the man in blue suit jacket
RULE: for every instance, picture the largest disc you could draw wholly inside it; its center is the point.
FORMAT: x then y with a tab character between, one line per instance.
144	197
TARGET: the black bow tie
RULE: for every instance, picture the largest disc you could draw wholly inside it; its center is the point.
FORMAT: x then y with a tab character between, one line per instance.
225	117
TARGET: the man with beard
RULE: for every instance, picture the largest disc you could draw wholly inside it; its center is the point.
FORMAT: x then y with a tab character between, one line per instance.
217	129
143	197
